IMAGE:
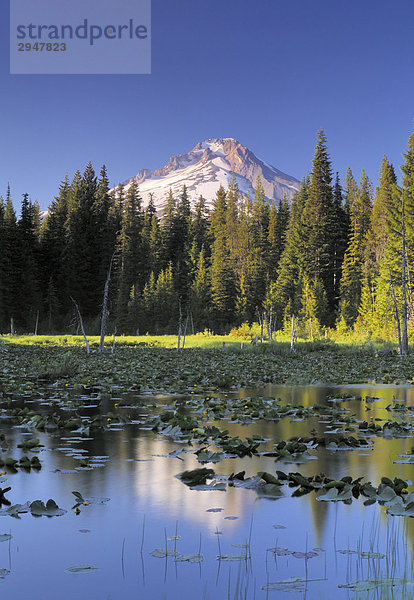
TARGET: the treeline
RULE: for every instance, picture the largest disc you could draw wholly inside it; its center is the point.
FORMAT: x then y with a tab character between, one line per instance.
330	257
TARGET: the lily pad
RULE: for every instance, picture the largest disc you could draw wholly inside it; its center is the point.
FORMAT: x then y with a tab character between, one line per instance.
82	569
333	495
373	584
192	558
51	509
233	556
294	584
163	553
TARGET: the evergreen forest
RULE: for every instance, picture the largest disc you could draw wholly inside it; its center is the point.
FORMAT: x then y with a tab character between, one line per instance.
332	256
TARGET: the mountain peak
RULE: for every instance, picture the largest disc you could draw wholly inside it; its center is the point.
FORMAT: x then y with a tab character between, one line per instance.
208	165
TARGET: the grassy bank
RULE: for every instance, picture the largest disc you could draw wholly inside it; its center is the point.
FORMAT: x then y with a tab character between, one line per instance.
151	368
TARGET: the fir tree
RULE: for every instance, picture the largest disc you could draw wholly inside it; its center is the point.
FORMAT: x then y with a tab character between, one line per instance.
318	229
222	275
130	255
352	270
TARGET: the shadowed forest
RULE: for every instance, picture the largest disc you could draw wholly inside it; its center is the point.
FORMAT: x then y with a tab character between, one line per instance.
332	257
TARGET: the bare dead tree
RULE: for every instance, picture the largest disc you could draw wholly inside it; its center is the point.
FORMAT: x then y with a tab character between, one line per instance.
180	322
80	323
113	342
292	335
105	306
268	324
185	330
37	322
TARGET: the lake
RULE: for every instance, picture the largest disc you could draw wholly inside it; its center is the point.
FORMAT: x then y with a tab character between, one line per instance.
131	503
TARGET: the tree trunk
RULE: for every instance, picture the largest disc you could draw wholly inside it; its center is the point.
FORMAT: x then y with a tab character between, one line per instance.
268	327
105	307
80	322
180	320
113	342
396	315
292	335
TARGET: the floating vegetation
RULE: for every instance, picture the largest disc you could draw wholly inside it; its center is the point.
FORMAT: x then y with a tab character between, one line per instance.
376	584
50	509
82	569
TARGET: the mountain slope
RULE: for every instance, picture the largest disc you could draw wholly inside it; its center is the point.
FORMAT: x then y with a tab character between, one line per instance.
207	166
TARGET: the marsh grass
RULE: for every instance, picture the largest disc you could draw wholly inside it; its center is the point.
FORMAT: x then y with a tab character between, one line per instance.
232	343
60	367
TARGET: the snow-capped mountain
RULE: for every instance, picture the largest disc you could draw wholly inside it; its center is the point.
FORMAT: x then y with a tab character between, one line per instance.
207	166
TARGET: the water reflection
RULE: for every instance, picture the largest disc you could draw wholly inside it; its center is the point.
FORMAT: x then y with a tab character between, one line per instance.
140	482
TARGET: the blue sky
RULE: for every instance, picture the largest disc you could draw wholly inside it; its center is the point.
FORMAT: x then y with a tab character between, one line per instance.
266	72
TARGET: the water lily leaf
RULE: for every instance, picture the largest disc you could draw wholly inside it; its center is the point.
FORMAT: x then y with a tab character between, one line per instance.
4	537
310	554
82	569
214	510
196	476
192	558
294	584
15	510
385	493
269	490
333	495
373	584
209	456
163	553
233	556
280	551
51	509
372	555
213	486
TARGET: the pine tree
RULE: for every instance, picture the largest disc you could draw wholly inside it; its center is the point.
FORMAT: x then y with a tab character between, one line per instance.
308	313
199	229
278	225
181	255
130	256
84	257
2	274
10	264
222	274
360	208
287	290
28	300
340	237
318	229
53	240
200	298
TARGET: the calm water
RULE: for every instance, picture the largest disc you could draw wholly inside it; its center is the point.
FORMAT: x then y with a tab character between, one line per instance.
149	504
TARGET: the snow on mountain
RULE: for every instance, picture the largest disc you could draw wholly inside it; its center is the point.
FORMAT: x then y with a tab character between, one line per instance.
207	166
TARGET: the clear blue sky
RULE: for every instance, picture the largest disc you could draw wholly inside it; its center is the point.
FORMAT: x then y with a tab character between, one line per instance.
266	72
